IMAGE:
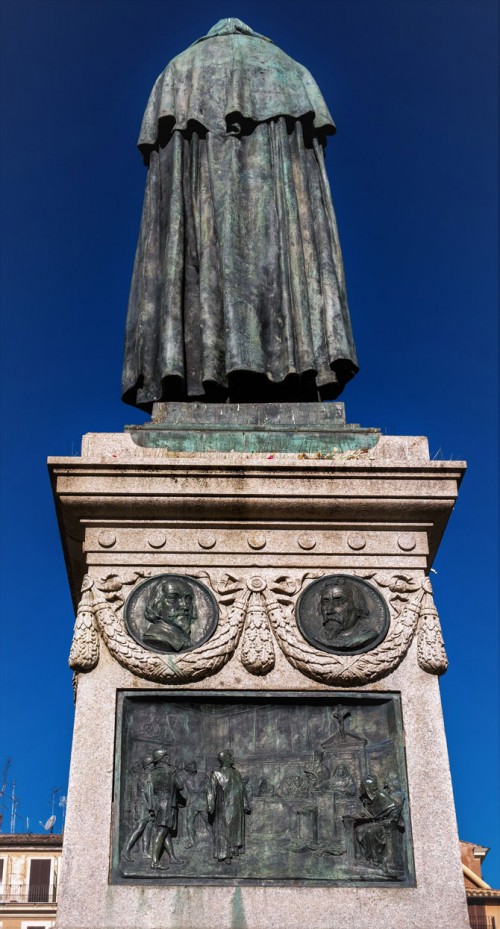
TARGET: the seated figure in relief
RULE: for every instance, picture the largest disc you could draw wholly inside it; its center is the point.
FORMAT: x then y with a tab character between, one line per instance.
383	812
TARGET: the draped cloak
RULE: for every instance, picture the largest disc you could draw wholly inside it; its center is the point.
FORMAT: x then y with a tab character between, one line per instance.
238	286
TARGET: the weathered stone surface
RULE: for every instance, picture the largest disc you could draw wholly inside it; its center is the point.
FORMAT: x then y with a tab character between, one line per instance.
230	499
256	530
88	902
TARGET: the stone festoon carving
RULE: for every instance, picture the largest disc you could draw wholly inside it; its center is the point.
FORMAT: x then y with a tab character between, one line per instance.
260	612
238	287
313	788
171	613
342	614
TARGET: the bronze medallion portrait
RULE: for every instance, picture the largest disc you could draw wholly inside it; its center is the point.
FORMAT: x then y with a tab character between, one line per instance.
171	613
342	614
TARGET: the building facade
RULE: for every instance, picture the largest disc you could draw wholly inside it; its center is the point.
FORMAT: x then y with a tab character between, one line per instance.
483	901
29	867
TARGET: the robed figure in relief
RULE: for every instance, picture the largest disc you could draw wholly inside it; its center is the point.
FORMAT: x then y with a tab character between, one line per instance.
228	802
238	288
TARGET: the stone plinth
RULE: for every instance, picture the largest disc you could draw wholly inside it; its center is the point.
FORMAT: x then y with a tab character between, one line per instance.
257	528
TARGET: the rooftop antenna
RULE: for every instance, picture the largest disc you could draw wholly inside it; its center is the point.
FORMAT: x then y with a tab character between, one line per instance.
49	825
4	787
4	778
55	791
13	809
62	804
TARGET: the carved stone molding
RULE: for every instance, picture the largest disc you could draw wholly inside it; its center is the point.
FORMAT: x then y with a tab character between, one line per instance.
411	606
258	610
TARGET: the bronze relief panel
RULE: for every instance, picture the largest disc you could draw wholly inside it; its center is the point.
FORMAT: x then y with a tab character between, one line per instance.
260	789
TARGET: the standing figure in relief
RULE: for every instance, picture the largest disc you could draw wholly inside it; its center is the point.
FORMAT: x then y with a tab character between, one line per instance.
228	803
166	788
142	810
195	789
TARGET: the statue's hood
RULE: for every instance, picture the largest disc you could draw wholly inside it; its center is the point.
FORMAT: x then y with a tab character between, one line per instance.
232	26
232	70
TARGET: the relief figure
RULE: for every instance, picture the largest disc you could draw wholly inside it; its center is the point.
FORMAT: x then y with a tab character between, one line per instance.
342	782
346	616
142	810
195	791
384	811
342	614
227	803
170	613
317	773
167	788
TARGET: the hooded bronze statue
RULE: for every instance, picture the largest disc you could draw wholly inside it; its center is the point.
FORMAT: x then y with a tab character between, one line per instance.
238	288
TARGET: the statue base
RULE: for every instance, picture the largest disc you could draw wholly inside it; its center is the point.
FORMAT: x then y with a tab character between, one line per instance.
307	428
268	767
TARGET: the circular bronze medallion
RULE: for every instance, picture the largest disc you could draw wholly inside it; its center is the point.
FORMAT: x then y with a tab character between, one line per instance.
171	613
342	614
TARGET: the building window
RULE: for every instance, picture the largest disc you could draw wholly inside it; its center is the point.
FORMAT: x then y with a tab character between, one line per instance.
481	921
37	925
39	886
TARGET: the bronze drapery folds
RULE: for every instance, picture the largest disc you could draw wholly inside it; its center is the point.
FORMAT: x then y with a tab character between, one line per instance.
238	288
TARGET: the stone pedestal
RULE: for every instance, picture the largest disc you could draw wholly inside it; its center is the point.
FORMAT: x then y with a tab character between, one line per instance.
256	528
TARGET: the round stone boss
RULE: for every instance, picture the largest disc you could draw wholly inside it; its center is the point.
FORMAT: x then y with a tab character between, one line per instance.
342	614
171	613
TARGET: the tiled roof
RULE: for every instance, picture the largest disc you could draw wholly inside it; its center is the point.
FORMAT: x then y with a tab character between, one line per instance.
475	892
29	840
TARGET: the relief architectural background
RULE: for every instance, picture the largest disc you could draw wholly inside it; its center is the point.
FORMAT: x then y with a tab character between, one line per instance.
274	787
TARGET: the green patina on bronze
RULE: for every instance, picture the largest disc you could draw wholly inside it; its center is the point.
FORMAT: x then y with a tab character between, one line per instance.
238	290
259	788
301	428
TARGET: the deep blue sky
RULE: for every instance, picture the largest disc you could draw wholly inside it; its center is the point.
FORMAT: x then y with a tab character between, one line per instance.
412	87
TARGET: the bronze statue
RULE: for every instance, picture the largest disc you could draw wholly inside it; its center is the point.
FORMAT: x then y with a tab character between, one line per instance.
228	803
238	287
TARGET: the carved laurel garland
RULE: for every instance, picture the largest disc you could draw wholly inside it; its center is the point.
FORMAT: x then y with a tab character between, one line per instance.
259	608
100	595
416	607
